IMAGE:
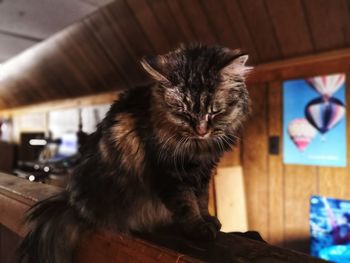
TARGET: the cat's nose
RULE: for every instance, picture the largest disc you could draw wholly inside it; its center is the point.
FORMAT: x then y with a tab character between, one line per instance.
202	128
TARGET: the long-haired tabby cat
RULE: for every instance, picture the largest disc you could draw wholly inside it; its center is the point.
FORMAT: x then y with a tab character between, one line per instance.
150	161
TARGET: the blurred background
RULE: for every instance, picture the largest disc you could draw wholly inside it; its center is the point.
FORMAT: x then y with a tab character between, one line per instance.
63	62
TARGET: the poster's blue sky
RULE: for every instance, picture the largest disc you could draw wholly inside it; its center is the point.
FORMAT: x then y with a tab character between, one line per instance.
327	149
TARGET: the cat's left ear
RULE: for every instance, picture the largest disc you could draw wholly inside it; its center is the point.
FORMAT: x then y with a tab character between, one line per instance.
153	66
237	67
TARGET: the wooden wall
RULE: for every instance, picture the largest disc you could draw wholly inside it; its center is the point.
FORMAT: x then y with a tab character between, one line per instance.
277	194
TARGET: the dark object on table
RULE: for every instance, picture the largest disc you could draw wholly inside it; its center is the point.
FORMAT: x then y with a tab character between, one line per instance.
30	146
8	156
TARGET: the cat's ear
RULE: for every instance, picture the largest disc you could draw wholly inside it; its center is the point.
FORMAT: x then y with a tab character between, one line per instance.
237	67
153	66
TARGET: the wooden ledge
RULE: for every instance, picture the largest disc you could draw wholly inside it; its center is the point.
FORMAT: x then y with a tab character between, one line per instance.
155	248
17	195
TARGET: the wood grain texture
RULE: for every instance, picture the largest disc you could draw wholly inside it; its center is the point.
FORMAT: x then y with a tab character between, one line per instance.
16	196
326	20
8	244
289	24
275	166
109	248
156	247
232	158
218	18
260	27
149	24
198	21
167	21
102	51
180	19
300	182
237	21
310	65
255	162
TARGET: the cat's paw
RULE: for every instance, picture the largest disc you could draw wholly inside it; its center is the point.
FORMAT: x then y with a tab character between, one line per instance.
213	220
205	231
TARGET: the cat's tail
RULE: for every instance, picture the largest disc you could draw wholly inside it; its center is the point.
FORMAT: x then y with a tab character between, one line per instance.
56	229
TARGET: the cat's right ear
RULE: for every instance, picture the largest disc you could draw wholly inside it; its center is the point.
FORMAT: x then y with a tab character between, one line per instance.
152	65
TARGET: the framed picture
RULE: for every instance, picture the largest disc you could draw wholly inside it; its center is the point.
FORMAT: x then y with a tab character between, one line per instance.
314	123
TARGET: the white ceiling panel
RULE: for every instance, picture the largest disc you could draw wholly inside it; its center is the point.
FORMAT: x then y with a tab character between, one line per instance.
10	46
41	18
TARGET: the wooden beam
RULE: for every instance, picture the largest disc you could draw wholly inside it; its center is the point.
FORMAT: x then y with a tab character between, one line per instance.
17	195
322	63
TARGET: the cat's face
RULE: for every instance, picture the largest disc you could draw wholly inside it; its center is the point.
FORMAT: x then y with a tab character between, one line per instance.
201	89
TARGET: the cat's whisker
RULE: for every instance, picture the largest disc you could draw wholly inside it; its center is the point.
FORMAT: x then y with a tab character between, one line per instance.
221	144
175	155
163	148
182	153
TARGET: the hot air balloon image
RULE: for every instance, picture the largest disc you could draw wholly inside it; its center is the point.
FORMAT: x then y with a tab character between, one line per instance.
327	85
314	127
301	133
324	114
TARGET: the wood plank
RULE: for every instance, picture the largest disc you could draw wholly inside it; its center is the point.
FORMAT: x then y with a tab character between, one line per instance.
180	19
212	197
300	182
259	25
90	58
23	191
239	25
228	248
310	65
167	22
149	25
293	37
8	244
109	248
198	21
121	14
16	196
345	17
255	162
232	158
218	19
326	35
275	163
156	247
230	199
107	35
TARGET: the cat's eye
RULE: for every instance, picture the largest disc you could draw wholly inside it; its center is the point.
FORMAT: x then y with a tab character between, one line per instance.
213	114
215	111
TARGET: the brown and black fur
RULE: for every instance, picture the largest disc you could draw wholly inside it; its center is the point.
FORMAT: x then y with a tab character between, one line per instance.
149	163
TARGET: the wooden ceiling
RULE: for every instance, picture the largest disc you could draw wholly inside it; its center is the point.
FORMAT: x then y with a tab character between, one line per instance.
101	52
24	23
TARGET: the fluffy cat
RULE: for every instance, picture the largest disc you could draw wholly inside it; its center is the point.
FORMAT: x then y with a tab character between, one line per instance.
149	163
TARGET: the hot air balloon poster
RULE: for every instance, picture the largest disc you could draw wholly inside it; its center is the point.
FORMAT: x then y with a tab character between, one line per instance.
314	123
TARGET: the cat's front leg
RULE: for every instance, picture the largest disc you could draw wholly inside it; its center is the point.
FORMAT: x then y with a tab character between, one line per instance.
183	204
203	204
